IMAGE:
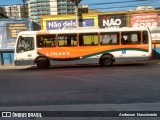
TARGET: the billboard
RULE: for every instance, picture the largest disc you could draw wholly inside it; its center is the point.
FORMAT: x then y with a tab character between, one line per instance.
112	20
145	20
13	29
59	22
62	24
9	30
155	34
150	20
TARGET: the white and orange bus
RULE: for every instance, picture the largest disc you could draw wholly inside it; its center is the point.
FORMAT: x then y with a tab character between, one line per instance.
83	46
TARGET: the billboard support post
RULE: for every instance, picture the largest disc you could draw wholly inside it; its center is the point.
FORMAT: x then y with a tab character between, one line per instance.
76	11
77	17
1	58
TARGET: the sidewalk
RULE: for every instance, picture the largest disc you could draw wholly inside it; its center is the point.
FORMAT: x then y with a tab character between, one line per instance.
153	62
12	66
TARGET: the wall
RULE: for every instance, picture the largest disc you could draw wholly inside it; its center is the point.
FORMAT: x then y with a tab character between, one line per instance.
9	29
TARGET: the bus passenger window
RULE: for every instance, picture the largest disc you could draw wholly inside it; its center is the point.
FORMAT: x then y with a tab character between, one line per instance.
145	37
67	40
125	39
46	41
130	38
40	42
109	39
86	39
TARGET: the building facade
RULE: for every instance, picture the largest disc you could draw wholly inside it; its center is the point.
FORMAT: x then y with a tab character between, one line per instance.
14	11
39	8
145	8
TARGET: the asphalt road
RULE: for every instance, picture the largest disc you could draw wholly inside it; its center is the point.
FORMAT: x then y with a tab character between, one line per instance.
87	84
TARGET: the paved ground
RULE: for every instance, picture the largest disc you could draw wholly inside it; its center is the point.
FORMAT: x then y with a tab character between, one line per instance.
129	87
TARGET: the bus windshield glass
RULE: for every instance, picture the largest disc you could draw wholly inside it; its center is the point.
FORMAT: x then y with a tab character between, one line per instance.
25	44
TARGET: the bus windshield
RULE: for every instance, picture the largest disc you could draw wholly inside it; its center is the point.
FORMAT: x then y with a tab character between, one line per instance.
25	44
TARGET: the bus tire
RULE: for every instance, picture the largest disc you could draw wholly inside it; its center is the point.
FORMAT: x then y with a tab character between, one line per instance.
42	63
106	60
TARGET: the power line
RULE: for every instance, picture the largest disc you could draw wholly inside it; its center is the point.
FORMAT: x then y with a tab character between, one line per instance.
130	1
104	8
100	3
96	8
123	6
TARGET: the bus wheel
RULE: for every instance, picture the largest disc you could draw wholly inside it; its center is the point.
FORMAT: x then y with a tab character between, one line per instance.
42	63
106	60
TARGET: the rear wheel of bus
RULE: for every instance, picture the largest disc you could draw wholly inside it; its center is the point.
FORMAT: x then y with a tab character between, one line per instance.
106	60
43	63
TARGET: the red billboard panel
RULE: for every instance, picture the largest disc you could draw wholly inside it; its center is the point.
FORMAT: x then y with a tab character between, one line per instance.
145	20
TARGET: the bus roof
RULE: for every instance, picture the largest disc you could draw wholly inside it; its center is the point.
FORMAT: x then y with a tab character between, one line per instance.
81	30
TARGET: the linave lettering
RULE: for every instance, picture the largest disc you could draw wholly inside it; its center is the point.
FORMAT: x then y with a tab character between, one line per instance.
57	53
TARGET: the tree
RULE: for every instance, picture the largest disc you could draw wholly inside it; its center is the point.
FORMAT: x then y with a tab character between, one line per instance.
76	2
24	1
24	8
76	11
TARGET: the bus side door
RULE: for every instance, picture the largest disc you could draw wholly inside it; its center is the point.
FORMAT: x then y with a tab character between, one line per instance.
131	46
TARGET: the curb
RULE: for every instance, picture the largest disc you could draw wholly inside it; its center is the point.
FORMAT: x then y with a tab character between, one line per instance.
13	67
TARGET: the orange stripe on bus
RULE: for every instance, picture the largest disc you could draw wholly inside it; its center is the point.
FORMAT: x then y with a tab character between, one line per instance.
74	52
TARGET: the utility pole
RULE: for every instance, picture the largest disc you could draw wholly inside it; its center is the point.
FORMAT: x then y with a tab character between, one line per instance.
10	11
76	11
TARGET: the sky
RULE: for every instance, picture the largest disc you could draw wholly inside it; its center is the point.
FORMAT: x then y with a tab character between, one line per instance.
104	5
